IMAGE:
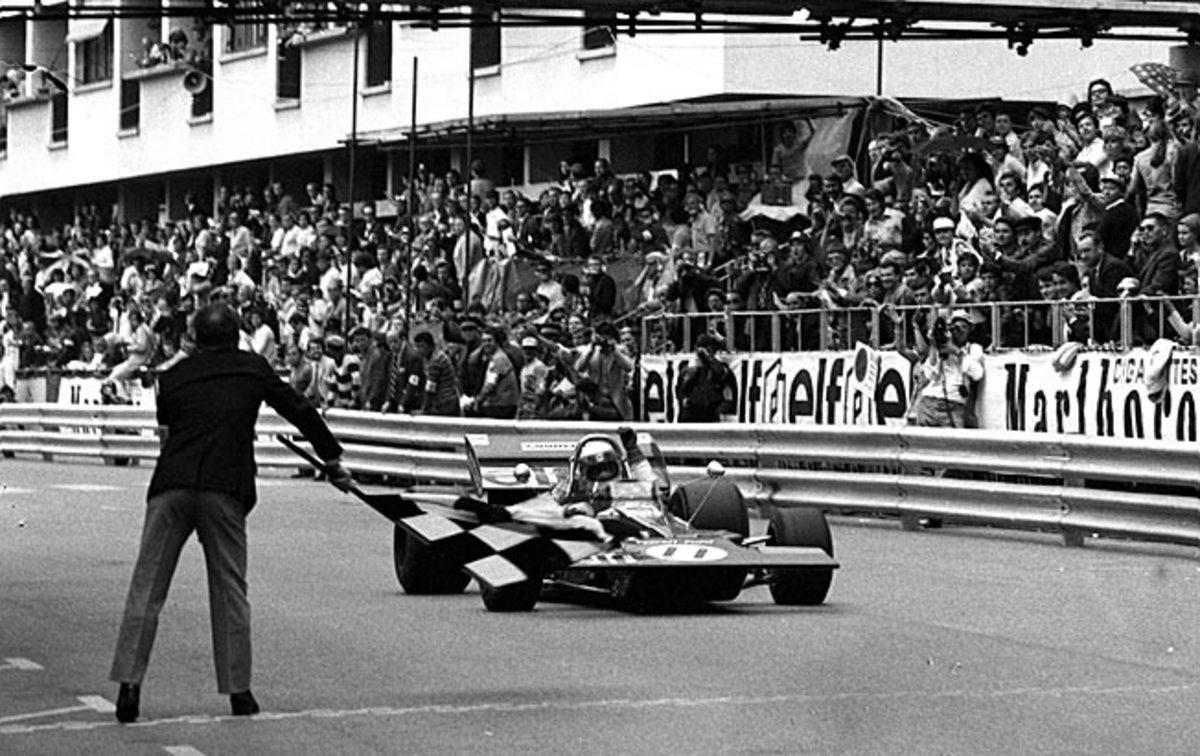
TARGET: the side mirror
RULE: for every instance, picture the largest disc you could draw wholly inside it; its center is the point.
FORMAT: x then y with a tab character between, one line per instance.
714	469
521	472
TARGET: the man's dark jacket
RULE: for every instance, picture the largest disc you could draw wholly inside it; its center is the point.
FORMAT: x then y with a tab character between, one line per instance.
209	404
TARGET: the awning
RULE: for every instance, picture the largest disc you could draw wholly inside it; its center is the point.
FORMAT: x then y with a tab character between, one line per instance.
84	29
673	116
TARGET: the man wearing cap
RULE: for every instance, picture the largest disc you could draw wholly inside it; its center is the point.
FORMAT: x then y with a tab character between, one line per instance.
533	380
953	367
1120	218
204	482
1157	261
843	166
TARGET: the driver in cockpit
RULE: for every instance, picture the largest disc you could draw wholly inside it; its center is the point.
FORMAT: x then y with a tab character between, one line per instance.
598	462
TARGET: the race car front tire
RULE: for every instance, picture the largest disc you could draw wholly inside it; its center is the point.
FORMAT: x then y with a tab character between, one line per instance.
711	504
422	570
800	527
519	597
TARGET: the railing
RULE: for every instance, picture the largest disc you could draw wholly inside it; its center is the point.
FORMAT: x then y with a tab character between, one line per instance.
1122	323
1072	485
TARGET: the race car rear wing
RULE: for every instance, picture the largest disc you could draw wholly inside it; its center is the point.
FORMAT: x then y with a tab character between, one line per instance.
519	465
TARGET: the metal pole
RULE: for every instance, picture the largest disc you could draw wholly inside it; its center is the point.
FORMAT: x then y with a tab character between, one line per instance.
350	241
879	68
465	275
412	200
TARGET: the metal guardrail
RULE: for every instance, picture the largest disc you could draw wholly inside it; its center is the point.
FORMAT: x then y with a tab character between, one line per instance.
1119	322
1073	485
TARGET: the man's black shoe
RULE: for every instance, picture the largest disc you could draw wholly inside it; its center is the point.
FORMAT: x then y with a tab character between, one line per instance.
127	702
243	704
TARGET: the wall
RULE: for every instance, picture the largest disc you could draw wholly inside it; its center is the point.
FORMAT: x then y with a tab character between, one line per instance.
542	69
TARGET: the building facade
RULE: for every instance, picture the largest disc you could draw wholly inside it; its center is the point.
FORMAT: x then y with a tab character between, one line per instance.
162	109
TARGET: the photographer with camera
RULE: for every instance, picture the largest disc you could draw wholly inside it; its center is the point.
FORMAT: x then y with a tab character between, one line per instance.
705	384
952	370
608	368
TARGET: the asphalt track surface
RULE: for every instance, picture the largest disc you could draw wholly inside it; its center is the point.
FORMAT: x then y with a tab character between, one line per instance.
950	641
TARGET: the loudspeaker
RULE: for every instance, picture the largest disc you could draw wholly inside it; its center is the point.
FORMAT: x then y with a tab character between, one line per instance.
195	81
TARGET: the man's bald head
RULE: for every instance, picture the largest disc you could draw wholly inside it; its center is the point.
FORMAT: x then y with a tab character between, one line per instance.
217	326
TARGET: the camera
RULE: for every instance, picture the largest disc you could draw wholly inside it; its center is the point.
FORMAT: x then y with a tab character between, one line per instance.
939	333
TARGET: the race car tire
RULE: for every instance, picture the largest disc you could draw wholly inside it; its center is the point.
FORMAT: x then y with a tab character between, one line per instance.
423	571
800	527
520	597
716	504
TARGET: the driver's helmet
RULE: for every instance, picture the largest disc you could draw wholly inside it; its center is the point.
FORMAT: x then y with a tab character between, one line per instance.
598	461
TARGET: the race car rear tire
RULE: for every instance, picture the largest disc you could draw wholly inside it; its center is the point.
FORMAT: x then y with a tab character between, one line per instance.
800	527
422	570
719	502
520	597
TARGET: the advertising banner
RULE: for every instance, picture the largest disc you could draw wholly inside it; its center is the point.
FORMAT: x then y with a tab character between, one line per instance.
859	387
1099	394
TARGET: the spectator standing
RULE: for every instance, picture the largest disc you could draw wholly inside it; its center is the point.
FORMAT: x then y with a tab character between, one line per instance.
405	374
343	380
534	391
441	392
1157	261
704	384
601	289
952	368
373	396
609	369
499	394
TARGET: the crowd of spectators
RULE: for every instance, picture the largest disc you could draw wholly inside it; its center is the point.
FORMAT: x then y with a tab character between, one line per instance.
437	315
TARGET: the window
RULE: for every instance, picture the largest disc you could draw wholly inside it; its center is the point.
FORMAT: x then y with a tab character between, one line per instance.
131	101
287	73
379	54
58	118
485	45
599	30
94	57
243	37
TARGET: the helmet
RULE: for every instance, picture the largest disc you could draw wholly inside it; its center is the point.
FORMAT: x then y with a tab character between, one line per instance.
598	461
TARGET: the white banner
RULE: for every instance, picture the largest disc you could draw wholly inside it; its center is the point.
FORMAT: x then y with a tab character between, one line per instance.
860	387
1101	394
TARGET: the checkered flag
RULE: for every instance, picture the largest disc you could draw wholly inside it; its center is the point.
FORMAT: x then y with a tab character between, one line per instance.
1158	77
503	553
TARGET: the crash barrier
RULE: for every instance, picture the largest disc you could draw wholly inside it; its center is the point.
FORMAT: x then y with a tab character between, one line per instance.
1073	485
817	324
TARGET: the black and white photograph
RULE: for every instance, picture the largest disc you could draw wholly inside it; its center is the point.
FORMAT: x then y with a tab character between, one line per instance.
599	377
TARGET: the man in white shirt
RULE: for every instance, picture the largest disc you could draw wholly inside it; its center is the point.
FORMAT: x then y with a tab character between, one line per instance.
952	368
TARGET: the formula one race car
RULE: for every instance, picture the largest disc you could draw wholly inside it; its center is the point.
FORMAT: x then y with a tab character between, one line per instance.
527	526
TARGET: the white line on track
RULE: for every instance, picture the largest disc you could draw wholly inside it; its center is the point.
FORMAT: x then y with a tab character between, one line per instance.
21	663
182	750
89	703
11	491
613	704
86	487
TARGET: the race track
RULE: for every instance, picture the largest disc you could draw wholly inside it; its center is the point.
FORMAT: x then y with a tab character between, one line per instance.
949	641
